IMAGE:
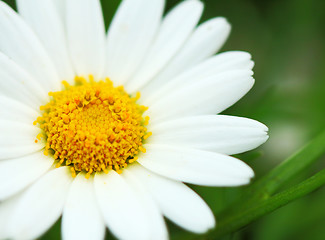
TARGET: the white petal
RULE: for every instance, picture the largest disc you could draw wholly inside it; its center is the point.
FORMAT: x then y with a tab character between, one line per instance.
208	96
157	223
86	36
18	139
20	43
130	35
18	173
18	84
6	209
174	31
45	20
223	62
204	42
120	207
177	201
60	5
195	166
16	111
223	134
41	204
81	217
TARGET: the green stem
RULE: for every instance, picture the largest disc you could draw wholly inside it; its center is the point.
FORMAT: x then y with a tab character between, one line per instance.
295	164
261	190
232	223
266	186
256	200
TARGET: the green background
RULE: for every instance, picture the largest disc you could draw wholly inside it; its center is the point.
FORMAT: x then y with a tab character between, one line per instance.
287	41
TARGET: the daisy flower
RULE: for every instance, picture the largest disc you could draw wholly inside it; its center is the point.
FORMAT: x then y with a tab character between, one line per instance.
105	129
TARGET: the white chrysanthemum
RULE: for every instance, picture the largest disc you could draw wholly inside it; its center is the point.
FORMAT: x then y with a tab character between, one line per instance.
170	61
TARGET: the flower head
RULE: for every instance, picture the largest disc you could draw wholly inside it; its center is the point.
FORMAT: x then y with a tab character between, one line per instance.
103	129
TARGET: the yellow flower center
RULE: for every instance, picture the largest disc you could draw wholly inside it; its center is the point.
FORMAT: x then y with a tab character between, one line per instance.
93	126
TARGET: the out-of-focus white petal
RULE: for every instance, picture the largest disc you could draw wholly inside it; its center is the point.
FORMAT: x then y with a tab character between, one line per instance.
195	166
18	173
177	201
19	42
86	37
18	139
41	205
61	8
81	217
120	207
223	134
45	20
209	96
204	42
174	31
130	36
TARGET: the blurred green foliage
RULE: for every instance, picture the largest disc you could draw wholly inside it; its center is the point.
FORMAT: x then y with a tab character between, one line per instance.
286	39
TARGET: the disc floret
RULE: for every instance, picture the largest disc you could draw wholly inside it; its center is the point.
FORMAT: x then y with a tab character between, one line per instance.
93	126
